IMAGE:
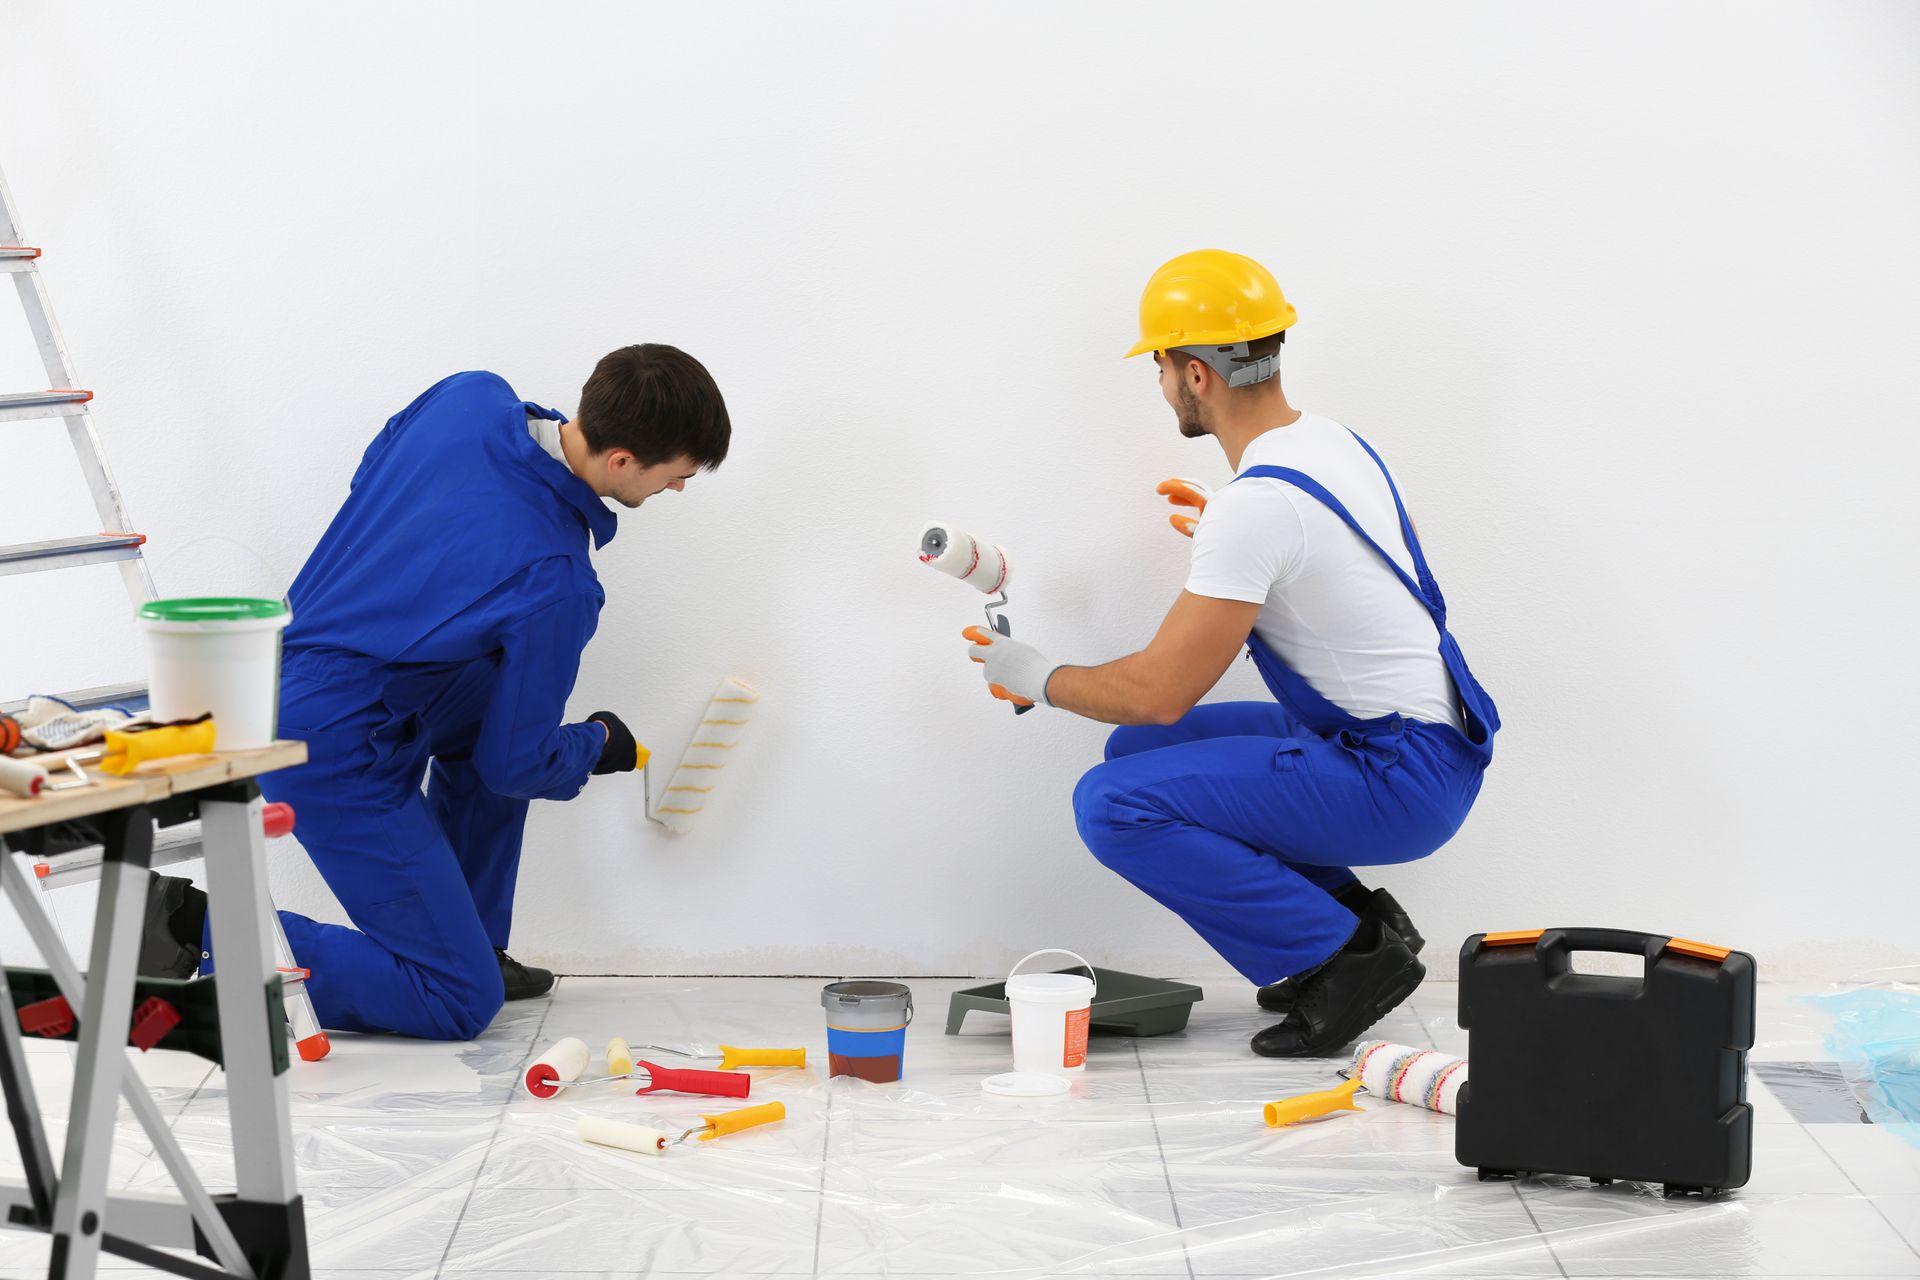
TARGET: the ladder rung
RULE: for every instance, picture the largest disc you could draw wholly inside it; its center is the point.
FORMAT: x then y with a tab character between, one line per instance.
69	553
17	257
23	406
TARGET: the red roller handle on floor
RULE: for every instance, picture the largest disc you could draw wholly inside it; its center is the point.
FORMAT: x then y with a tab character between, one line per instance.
720	1084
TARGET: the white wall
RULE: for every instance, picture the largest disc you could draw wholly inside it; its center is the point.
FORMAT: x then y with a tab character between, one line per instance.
1626	293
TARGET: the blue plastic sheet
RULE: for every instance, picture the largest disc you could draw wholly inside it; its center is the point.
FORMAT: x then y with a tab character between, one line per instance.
1876	1039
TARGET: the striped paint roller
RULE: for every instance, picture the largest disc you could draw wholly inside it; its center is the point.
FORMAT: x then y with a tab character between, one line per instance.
691	787
1396	1072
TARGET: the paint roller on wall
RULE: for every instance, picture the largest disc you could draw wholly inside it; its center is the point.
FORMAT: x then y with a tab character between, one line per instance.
981	565
690	790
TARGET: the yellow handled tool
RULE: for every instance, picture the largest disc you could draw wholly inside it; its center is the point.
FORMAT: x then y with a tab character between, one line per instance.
126	750
734	1121
732	1057
1309	1105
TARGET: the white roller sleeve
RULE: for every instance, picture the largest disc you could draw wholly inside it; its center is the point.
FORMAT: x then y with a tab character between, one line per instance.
1402	1073
618	1133
691	788
981	565
18	778
565	1061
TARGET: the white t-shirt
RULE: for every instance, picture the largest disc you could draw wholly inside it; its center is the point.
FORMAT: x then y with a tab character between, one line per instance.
546	434
1329	606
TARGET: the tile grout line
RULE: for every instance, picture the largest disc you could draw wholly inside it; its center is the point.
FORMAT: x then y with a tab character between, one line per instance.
1544	1239
499	1123
1166	1174
820	1201
1900	1235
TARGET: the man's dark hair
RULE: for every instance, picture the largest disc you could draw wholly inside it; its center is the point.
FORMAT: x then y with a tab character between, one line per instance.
1258	347
658	403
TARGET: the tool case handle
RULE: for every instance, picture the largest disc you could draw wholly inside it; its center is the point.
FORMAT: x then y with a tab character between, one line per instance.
1556	946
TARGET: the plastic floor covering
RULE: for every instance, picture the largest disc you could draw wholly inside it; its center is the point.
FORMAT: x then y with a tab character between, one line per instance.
424	1160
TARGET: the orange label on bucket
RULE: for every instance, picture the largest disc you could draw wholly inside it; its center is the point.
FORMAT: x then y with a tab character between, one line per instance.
1075	1054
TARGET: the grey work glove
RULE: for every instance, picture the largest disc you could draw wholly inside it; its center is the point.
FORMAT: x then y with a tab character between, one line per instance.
1015	671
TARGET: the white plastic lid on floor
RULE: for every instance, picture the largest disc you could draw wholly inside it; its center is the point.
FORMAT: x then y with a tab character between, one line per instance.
1026	1084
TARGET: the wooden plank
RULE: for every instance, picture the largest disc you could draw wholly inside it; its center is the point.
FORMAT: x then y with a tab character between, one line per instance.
192	773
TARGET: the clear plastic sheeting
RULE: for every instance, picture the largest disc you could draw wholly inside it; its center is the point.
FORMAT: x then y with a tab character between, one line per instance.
422	1160
1876	1041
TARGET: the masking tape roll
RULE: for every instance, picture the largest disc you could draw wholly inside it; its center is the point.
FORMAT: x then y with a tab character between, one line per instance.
958	554
618	1133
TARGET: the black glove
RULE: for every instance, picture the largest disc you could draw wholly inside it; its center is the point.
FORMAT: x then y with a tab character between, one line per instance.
622	752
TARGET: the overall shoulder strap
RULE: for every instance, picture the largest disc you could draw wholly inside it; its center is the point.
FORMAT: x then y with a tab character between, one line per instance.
1314	489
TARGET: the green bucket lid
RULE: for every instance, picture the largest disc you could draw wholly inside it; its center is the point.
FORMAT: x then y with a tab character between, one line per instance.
212	609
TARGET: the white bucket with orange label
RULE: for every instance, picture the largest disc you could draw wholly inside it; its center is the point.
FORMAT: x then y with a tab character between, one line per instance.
1052	1013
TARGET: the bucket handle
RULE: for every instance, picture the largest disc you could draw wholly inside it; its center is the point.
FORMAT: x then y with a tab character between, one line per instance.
1059	951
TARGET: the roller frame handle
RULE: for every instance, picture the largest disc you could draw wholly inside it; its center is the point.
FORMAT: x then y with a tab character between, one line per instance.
745	1118
719	1084
1308	1106
732	1057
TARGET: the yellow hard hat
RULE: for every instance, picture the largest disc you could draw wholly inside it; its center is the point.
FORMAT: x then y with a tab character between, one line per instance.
1210	297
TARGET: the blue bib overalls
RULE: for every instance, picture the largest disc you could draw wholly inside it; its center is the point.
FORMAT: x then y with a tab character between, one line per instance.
1244	817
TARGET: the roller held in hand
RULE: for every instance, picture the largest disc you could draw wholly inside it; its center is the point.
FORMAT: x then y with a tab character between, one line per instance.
983	566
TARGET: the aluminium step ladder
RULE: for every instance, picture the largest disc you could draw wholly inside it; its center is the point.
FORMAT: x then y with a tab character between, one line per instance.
118	544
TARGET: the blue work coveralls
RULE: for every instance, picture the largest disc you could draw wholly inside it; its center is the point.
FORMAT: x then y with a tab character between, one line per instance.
436	634
1244	817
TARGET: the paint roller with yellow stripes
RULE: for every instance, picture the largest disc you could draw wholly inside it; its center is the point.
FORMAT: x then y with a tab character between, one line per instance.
690	790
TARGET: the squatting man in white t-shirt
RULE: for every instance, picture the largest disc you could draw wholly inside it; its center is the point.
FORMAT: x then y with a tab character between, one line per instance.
1244	817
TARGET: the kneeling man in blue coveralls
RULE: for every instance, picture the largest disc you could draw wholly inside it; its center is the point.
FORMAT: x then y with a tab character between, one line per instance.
1246	817
437	630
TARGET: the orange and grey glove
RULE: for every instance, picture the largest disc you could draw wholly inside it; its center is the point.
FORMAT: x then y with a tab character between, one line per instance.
1184	493
1015	672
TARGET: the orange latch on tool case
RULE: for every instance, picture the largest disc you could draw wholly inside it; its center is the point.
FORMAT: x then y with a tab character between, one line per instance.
1513	938
1702	950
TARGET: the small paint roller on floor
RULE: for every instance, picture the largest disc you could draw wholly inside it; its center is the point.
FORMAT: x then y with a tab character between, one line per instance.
981	565
563	1065
690	790
620	1057
1396	1072
650	1141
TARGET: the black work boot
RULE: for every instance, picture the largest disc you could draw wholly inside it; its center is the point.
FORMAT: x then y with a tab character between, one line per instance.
1363	982
1376	905
170	934
523	981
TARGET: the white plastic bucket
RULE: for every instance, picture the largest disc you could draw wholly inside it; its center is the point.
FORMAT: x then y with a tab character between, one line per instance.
219	656
1052	1013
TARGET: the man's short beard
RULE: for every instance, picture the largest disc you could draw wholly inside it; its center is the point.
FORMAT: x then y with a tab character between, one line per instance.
1188	414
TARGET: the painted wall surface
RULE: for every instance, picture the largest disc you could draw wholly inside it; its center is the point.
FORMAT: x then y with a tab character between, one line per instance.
1626	294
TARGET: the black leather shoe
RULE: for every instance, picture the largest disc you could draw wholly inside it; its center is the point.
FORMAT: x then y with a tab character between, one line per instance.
1376	905
1371	975
523	981
162	954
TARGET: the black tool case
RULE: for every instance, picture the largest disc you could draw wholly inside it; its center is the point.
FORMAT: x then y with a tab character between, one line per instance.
1605	1077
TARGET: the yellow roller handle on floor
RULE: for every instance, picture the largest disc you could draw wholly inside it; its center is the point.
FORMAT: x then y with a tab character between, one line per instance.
731	1057
619	1057
745	1118
1309	1105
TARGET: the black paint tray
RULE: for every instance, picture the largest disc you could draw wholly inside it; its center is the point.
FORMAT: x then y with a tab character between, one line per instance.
1125	1003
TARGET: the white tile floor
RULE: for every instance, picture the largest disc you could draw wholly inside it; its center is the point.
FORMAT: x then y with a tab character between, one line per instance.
422	1161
